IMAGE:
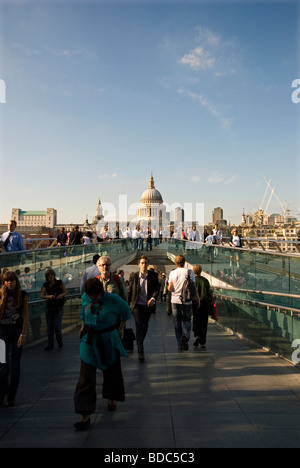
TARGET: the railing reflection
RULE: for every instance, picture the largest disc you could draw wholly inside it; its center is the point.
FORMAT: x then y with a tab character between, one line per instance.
37	329
269	325
69	262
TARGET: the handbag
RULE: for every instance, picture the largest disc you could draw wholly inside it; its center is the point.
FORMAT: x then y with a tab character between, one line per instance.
214	312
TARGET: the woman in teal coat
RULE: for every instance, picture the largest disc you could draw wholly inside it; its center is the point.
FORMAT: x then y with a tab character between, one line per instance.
100	348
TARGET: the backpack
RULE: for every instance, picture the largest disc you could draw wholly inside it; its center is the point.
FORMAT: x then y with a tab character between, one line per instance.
117	280
188	291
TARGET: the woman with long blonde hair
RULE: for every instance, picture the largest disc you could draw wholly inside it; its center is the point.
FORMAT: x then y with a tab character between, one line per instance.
13	328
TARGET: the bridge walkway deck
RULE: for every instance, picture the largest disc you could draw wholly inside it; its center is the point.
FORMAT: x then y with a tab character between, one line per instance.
229	395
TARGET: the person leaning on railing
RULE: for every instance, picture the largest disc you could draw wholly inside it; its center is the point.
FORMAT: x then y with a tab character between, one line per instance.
12	241
235	241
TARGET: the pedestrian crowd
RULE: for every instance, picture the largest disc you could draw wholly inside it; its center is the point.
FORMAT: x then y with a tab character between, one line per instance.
137	238
107	302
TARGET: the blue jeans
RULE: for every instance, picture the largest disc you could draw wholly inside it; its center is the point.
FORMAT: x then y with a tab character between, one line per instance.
10	370
53	320
182	314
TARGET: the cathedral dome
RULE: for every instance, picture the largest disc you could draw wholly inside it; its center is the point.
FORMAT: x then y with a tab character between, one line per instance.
151	195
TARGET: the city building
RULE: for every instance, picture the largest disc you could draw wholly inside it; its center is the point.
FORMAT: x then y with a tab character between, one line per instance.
151	209
99	213
46	218
217	215
178	215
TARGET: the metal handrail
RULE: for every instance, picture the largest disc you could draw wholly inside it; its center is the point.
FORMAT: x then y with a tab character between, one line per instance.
270	293
69	296
270	252
277	307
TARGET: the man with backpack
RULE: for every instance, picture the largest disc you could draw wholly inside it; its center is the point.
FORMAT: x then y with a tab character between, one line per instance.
182	288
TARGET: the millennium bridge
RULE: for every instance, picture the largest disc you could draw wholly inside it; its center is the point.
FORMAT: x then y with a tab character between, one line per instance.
243	390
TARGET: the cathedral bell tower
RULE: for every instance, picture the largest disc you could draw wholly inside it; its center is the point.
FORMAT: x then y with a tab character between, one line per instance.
99	213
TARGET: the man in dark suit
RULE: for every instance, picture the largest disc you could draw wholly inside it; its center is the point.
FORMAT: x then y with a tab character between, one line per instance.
143	291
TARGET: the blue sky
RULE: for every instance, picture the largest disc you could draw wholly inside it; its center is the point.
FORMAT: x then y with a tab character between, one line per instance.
101	93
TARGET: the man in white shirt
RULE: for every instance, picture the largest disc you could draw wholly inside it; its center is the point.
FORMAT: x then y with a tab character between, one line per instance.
210	239
126	234
218	234
135	237
182	312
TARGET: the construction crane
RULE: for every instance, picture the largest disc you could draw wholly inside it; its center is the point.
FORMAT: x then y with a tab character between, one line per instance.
265	194
285	209
262	211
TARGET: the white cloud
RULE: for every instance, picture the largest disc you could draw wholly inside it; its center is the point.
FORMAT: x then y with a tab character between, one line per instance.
213	53
81	52
215	178
207	36
26	50
211	108
198	59
60	52
108	176
226	123
231	179
195	179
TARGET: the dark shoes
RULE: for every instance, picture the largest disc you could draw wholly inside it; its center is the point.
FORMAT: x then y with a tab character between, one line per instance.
81	425
197	342
141	357
111	405
49	348
184	343
10	401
